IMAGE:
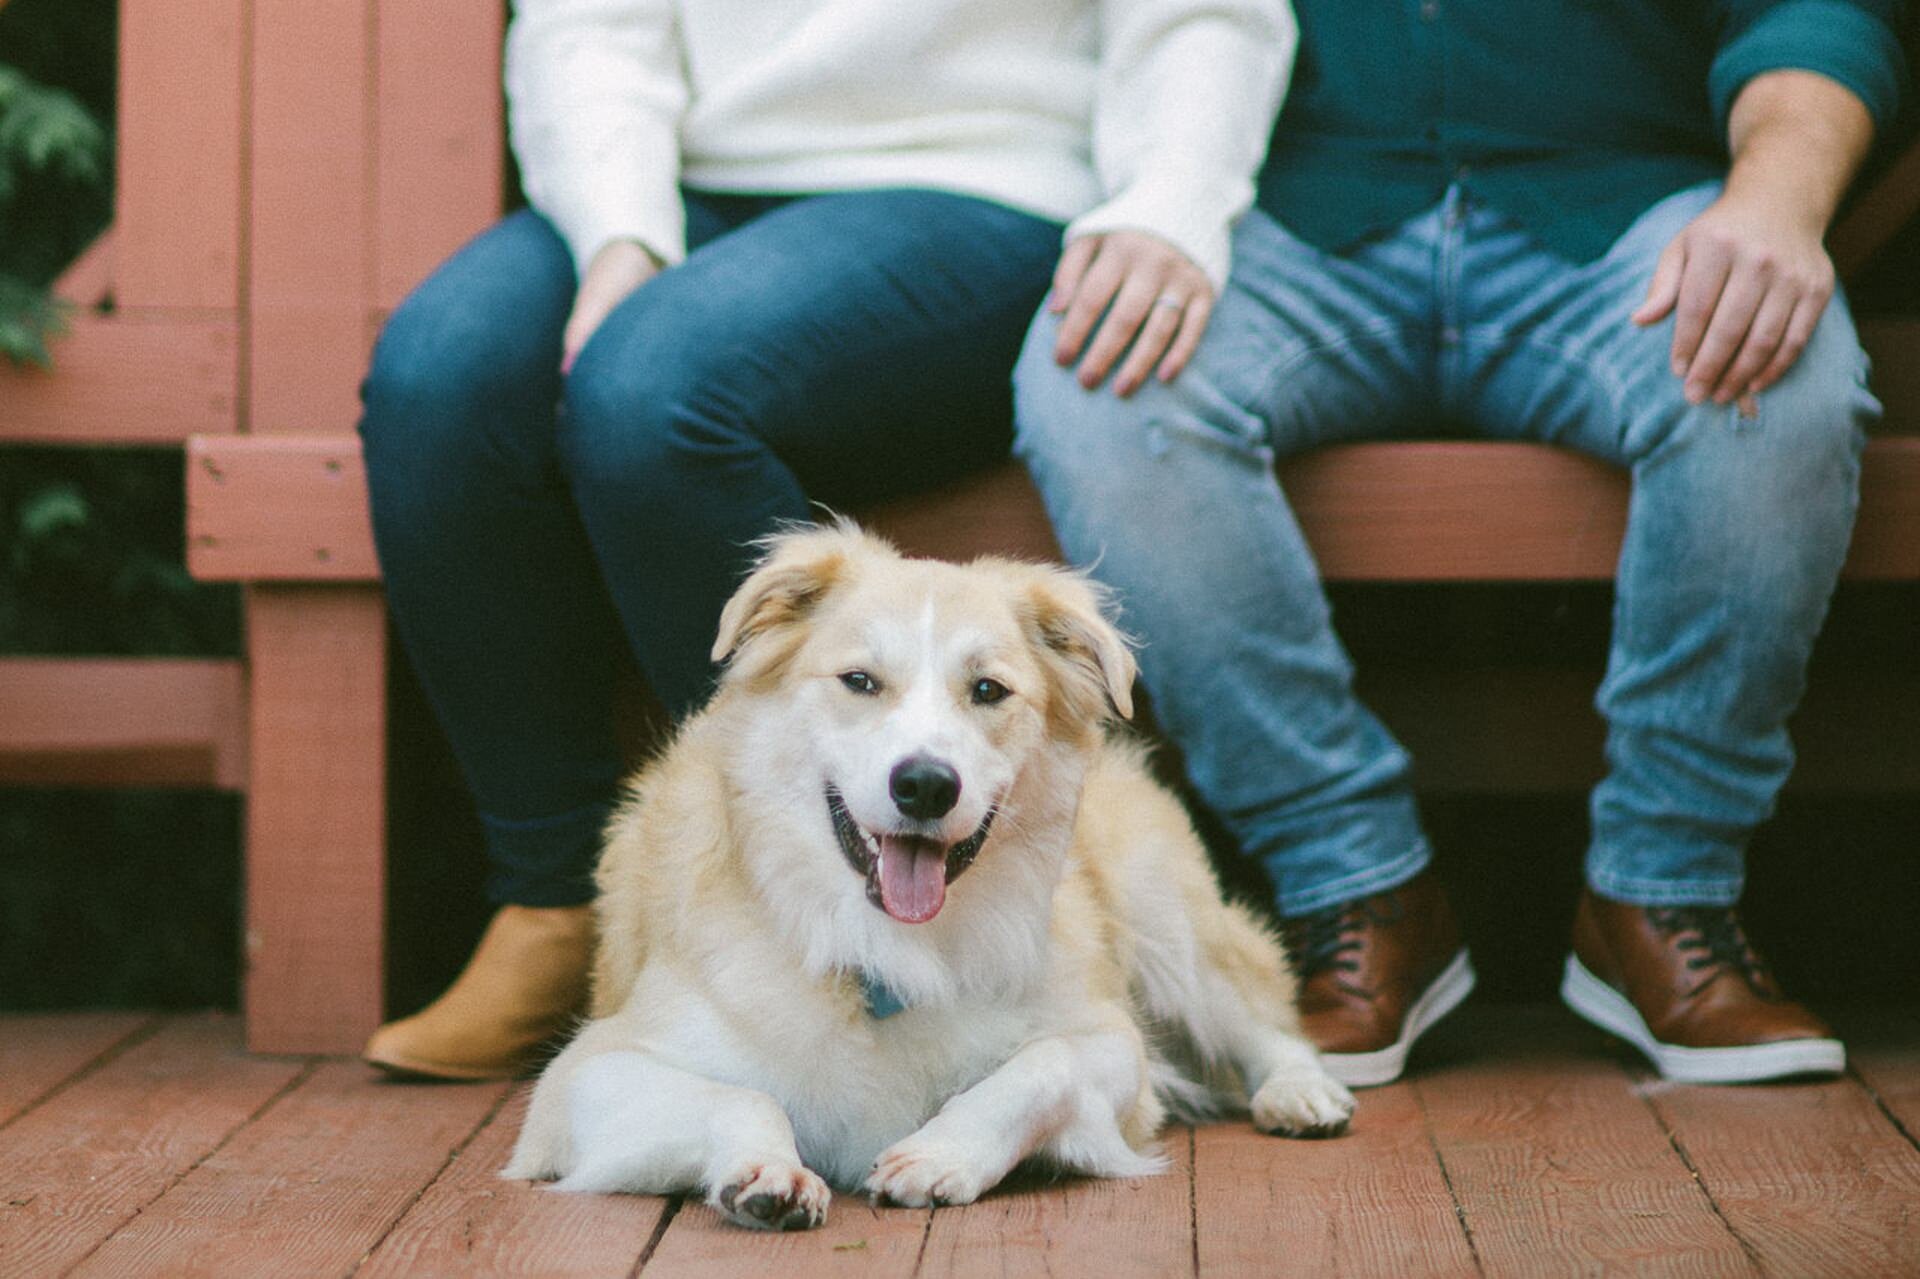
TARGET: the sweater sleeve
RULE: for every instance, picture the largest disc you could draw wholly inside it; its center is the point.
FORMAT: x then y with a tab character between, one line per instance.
1187	95
1852	42
595	92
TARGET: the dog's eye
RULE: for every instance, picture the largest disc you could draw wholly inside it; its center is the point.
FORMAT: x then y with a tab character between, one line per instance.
988	691
860	682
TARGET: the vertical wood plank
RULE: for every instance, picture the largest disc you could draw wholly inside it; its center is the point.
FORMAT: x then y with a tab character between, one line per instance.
470	1222
316	817
310	265
1812	1176
1372	1202
40	1051
85	1162
177	198
308	1187
1557	1165
438	136
1107	1227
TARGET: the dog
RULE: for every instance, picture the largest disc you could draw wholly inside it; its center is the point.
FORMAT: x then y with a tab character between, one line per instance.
901	909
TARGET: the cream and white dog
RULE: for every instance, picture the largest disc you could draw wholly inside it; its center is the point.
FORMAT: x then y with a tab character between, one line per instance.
896	910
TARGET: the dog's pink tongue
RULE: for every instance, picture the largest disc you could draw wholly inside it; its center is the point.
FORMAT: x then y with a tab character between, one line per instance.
913	878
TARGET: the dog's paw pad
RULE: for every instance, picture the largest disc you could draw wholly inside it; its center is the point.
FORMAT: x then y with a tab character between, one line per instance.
919	1176
774	1197
1313	1105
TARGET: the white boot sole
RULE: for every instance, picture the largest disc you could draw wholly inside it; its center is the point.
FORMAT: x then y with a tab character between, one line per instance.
1383	1065
1614	1013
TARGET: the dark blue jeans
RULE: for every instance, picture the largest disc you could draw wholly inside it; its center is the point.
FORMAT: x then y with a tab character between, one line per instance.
840	348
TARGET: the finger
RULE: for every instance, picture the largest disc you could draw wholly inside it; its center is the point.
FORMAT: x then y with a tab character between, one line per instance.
1700	286
1090	298
1763	339
1124	318
1192	326
1073	265
1664	290
596	301
1806	317
1163	322
580	326
1732	317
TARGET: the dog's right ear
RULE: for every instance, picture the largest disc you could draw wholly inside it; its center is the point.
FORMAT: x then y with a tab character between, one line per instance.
795	572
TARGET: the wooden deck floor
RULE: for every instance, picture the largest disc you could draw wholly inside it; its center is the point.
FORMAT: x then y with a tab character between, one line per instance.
1524	1145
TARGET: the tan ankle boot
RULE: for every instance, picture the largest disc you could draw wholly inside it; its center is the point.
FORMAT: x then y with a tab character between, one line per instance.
526	982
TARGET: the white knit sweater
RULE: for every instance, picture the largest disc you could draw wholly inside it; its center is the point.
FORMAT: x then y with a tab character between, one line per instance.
1147	114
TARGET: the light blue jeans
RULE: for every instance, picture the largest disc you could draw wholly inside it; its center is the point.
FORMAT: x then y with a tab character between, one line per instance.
1734	540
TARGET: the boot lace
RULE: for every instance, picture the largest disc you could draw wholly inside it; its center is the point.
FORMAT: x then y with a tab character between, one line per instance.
1330	939
1714	941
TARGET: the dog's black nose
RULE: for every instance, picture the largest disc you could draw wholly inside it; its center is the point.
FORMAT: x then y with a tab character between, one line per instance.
924	788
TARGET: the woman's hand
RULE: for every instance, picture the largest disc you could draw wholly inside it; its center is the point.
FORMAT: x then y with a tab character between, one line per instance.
616	271
1155	300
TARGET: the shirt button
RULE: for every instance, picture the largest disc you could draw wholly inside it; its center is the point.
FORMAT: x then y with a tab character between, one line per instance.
1462	173
1449	336
1429	10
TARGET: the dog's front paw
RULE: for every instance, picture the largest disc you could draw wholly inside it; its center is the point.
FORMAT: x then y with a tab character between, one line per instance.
1302	1104
773	1196
916	1173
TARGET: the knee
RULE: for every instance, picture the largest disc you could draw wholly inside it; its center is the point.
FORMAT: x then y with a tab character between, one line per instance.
656	423
1823	403
1075	440
442	355
443	398
1799	440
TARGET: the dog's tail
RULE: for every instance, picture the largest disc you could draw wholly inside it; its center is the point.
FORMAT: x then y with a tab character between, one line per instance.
1188	1100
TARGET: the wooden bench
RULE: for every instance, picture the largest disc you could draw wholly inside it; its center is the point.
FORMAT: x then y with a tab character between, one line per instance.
337	153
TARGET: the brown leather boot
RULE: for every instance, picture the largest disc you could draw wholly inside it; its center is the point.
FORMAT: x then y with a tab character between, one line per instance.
526	983
1375	975
1685	986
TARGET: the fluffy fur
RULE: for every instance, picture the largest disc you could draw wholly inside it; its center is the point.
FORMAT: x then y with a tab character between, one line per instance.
1081	976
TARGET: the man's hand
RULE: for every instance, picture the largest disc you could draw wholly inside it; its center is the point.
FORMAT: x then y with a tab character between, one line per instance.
1746	283
1155	300
1747	280
616	271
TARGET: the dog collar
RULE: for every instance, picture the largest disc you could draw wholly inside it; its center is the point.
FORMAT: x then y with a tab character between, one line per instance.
881	1000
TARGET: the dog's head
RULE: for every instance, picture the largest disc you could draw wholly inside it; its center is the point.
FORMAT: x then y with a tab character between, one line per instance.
911	696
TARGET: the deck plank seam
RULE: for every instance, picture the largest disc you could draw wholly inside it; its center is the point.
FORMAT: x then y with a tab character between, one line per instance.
1640	1084
1446	1179
300	1077
1866	1086
1193	1200
453	1157
134	1037
667	1215
926	1237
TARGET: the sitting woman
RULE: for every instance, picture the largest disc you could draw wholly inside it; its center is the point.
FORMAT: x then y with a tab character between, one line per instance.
779	251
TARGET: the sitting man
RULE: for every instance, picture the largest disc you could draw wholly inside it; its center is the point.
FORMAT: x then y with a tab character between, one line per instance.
1592	224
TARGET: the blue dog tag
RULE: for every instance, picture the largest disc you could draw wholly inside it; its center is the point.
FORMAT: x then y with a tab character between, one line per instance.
882	1003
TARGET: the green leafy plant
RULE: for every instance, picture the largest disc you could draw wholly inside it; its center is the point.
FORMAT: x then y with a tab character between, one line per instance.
53	199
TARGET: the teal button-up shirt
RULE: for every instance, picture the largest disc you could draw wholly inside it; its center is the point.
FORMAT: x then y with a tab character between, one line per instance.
1572	116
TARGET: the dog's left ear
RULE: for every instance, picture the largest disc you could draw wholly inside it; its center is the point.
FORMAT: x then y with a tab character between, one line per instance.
1093	667
793	576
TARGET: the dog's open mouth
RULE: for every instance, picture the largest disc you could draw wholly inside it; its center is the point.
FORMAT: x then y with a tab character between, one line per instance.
907	875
